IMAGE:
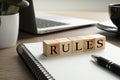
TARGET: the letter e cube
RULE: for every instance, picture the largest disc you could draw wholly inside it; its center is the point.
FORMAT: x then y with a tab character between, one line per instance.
89	43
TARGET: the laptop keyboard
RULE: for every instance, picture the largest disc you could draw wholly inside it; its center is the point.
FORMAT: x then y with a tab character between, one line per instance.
43	23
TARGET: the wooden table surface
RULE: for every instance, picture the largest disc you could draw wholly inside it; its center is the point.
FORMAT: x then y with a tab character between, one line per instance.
12	67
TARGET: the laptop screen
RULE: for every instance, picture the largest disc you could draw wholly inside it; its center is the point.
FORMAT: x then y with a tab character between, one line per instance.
27	18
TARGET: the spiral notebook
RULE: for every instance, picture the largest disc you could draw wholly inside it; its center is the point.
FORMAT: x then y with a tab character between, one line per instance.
77	66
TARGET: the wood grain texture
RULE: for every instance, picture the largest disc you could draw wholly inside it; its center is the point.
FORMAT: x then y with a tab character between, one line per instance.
51	47
65	45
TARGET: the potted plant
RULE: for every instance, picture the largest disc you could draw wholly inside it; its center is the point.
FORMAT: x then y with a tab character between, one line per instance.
9	21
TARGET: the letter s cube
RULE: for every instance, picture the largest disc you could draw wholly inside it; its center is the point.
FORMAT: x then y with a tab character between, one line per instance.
99	41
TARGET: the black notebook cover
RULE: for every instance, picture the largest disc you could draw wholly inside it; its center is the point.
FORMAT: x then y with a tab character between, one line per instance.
37	68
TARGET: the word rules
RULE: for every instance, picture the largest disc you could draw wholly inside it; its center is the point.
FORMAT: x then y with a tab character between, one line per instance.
77	44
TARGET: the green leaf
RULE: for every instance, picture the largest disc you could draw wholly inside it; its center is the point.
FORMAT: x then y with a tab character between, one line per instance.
12	9
12	1
0	8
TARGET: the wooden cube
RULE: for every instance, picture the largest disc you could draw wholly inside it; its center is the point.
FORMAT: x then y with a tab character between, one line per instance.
88	43
51	47
99	41
77	44
65	45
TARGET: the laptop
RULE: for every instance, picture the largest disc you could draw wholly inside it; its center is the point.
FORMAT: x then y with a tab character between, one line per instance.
47	23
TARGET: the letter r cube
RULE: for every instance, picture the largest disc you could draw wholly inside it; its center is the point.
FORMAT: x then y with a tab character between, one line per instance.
51	47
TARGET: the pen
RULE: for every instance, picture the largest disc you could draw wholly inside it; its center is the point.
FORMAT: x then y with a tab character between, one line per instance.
113	67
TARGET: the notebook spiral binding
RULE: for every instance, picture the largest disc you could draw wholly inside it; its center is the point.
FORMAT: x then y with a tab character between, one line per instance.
35	66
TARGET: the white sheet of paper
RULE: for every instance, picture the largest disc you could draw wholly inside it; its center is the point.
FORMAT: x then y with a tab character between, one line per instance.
77	66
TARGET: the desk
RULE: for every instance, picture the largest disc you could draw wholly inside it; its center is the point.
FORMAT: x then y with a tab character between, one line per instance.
12	67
